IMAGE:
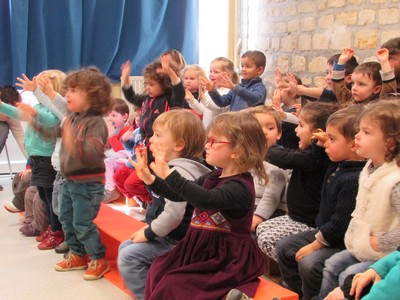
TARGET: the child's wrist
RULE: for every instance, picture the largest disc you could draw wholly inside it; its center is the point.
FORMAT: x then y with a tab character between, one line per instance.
338	66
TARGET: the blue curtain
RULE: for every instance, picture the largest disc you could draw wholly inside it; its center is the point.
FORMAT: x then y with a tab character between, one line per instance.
68	34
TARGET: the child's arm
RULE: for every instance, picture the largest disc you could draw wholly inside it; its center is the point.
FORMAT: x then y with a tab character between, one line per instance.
301	90
291	158
343	94
178	90
18	133
389	83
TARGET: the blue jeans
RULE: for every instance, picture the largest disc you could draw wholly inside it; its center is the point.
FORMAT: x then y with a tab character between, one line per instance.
79	207
135	259
57	192
337	268
303	277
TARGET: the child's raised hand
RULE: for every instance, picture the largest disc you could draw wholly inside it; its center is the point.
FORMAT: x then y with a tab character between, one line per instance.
320	136
277	100
278	77
160	165
26	84
188	95
44	83
345	56
126	73
28	113
225	81
208	84
383	57
293	85
142	170
297	106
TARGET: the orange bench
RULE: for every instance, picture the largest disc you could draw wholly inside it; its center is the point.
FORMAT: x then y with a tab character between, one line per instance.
116	227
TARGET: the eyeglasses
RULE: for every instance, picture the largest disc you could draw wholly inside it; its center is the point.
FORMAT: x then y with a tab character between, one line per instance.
212	141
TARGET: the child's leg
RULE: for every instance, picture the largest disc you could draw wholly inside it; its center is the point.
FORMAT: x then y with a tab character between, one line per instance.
46	195
40	220
57	193
271	231
112	165
335	265
119	179
28	200
136	187
19	188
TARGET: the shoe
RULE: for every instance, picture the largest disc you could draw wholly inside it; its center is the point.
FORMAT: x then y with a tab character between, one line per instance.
62	248
54	239
235	294
29	230
43	236
97	268
72	262
10	207
110	196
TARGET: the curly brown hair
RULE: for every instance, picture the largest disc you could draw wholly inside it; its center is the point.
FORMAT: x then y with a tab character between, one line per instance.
151	71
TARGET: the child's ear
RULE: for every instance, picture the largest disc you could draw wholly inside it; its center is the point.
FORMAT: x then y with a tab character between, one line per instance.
347	79
390	145
279	136
179	145
260	70
377	89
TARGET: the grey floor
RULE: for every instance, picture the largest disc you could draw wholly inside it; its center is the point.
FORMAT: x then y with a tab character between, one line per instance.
28	273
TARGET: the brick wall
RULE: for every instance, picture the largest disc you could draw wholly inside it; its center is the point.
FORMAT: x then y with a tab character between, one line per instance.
299	36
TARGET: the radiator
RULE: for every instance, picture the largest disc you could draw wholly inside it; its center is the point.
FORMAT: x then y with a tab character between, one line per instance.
137	83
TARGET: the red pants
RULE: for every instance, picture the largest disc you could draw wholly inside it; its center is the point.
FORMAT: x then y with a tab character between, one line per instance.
130	185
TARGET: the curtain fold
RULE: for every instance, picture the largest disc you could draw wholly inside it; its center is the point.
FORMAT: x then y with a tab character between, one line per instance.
68	34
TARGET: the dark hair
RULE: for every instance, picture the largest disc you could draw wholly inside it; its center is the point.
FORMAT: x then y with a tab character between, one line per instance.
120	106
350	65
257	57
9	95
393	45
346	121
151	72
371	69
316	113
96	85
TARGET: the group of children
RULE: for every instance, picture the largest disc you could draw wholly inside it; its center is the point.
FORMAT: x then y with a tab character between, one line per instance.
213	181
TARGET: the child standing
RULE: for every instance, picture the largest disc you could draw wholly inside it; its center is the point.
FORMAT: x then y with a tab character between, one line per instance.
167	220
84	135
374	229
301	256
218	243
392	48
304	188
251	91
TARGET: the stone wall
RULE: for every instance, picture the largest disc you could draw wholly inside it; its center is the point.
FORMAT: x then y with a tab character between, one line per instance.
299	36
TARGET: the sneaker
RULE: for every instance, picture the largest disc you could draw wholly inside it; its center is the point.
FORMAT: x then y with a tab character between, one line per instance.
43	236
29	230
62	248
110	196
235	294
97	268
54	239
10	207
72	262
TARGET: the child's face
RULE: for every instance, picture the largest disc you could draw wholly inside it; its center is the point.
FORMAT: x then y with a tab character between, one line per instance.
370	141
76	99
304	132
269	127
162	140
117	119
191	80
249	69
215	71
218	151
336	146
328	76
153	88
363	87
394	61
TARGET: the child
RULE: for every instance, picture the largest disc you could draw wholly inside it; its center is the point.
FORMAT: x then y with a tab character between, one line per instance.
118	118
301	256
218	243
191	83
392	50
251	91
84	135
270	199
206	107
374	229
167	220
366	81
304	188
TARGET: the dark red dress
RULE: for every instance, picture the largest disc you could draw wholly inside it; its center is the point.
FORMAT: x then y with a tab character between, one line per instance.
218	252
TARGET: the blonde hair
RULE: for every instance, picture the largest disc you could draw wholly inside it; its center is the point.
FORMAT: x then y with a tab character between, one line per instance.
57	79
184	126
227	66
247	138
387	114
200	71
178	63
263	109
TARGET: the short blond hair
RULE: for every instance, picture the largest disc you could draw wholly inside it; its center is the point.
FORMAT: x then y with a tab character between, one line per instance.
57	79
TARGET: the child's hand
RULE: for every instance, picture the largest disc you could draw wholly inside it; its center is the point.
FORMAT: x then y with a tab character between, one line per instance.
373	240
320	136
26	84
277	100
361	280
225	81
278	77
256	220
208	84
23	173
138	236
293	85
142	170
307	250
126	73
28	113
297	106
383	57
345	56
160	165
188	95
336	294
166	63
46	87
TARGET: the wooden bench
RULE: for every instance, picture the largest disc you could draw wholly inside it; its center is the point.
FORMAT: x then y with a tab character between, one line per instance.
116	227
